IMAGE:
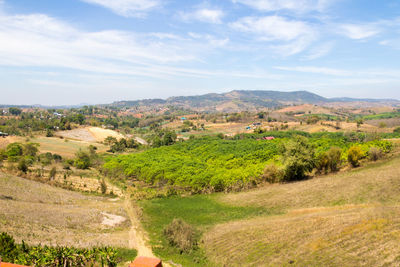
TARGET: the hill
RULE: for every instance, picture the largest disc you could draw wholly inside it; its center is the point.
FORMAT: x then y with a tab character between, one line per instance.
346	219
243	100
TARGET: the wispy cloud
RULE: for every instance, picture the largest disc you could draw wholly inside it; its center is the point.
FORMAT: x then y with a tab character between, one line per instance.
127	8
285	37
272	27
207	15
319	51
358	31
292	5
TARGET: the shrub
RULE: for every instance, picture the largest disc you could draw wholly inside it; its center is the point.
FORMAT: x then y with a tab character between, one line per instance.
22	166
181	234
272	173
103	186
375	153
53	173
82	160
298	159
397	130
354	156
334	156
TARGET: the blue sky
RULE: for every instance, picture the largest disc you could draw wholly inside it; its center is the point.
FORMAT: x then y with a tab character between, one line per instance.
99	51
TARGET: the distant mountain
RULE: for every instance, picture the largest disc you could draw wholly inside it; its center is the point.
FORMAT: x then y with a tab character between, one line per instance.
240	100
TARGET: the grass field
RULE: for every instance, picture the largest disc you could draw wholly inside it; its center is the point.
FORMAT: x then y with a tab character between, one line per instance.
201	211
347	219
38	213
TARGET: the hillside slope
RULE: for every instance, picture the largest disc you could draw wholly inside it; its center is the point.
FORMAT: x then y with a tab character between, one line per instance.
347	219
241	100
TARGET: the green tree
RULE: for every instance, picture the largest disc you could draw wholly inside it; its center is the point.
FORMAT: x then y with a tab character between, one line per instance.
13	151
82	160
15	111
298	158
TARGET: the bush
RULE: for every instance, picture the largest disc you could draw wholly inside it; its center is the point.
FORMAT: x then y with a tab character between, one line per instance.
82	160
375	153
272	173
52	173
397	130
354	156
334	156
181	234
22	166
103	186
298	159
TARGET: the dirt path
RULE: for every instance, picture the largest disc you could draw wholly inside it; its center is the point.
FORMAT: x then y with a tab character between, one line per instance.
137	237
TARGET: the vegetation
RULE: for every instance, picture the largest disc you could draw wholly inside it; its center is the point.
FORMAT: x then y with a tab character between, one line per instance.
212	163
201	212
181	234
58	256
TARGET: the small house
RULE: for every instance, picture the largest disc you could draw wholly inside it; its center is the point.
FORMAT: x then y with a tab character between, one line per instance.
146	262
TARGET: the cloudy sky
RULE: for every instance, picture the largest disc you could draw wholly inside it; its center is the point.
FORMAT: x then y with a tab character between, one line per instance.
99	51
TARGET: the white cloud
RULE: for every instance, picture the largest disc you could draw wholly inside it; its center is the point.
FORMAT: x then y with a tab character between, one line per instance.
358	32
204	15
127	8
273	27
292	5
319	51
285	37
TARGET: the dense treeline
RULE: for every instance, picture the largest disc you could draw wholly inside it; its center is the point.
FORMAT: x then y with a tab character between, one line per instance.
212	163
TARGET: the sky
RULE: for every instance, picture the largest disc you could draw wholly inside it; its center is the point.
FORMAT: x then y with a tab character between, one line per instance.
99	51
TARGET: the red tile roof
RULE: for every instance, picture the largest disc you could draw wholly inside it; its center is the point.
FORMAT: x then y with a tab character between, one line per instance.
146	262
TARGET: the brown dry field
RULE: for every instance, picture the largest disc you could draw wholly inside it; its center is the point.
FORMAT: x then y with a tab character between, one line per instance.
64	147
346	219
39	213
89	134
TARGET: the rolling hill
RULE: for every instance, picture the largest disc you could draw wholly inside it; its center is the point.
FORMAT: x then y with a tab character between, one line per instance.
242	100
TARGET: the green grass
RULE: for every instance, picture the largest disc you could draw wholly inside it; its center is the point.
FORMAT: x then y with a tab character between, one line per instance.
201	211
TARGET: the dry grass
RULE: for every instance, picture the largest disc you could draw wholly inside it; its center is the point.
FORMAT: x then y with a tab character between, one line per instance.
55	145
340	236
89	134
39	213
377	183
347	219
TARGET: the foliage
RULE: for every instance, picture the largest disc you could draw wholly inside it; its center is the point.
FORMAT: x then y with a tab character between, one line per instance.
55	256
218	164
375	153
355	154
329	160
298	159
82	160
103	186
22	165
15	111
181	235
273	173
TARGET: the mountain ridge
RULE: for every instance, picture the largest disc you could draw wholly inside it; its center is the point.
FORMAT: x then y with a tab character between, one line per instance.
240	100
